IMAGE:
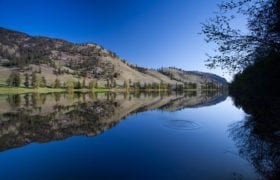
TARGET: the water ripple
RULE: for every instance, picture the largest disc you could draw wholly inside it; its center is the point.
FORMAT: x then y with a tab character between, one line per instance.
180	124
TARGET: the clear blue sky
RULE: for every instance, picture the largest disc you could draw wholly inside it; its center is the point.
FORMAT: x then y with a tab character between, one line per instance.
150	33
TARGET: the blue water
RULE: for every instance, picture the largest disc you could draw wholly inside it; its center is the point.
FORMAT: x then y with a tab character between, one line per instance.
192	143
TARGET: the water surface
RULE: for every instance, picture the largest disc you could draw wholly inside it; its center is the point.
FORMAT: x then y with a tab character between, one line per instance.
121	136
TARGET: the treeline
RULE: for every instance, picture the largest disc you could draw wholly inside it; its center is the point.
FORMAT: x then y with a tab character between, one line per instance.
35	80
159	86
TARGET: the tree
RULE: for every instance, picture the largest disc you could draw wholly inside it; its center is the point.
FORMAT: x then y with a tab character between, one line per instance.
78	85
238	49
57	83
35	83
26	81
108	85
17	80
125	85
70	85
84	83
92	84
43	82
96	85
114	83
14	80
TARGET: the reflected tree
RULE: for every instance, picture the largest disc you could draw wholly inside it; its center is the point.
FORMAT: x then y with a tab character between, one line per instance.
258	145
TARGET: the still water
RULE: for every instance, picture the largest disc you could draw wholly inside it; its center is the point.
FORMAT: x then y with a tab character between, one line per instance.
121	136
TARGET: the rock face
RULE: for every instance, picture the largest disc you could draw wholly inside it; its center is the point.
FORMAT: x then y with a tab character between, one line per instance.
57	58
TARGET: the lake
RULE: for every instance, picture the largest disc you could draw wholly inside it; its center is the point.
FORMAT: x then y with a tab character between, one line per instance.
191	135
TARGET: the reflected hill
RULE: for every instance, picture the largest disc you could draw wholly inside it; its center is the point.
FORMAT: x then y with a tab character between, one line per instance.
194	99
29	118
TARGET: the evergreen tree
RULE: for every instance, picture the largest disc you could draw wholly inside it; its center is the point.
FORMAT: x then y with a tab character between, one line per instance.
92	84
70	85
108	83
34	80
125	85
84	83
43	82
114	84
17	80
14	80
26	81
57	83
78	85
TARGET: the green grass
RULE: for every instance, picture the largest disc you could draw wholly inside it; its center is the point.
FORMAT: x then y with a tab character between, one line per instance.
23	90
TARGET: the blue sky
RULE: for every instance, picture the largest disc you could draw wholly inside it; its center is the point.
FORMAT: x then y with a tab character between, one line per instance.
150	33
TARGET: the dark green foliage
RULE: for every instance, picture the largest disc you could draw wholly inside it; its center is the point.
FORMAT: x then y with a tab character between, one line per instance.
190	85
84	83
26	81
137	85
14	80
14	100
179	87
57	84
70	85
93	84
43	82
256	90
78	85
107	83
35	82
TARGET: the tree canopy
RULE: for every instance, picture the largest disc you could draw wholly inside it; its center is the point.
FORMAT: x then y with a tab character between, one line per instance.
236	49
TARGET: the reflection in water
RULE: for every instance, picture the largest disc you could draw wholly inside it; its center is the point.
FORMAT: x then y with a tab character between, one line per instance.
180	124
258	136
46	117
262	150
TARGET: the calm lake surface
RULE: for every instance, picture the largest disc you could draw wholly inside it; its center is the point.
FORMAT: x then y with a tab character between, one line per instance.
121	136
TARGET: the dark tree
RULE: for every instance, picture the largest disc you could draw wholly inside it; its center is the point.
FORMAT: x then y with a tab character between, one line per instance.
78	85
14	80
17	80
34	80
237	49
84	83
92	84
57	83
26	81
43	82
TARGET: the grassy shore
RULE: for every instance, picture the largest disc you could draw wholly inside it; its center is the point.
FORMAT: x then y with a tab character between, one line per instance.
22	90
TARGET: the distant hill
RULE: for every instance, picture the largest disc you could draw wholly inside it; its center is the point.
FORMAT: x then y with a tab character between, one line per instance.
59	59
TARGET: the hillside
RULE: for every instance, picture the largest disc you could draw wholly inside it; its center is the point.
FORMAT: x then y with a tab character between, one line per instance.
200	78
59	59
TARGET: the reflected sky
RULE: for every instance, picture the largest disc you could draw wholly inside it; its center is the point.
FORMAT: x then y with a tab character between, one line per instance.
139	147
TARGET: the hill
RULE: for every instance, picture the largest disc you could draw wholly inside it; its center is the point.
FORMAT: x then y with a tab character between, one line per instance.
59	59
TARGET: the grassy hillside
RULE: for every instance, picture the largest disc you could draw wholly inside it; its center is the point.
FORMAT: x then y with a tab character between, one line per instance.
56	60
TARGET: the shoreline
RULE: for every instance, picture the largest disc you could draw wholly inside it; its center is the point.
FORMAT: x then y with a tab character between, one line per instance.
23	90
